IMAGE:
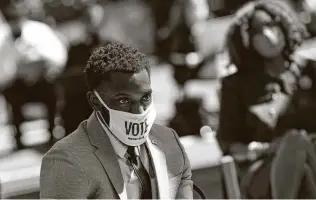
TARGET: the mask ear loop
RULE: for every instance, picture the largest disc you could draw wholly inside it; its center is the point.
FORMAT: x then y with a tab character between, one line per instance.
101	118
99	114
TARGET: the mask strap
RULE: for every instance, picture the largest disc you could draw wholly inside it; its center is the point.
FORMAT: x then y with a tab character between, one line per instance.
100	99
100	116
104	124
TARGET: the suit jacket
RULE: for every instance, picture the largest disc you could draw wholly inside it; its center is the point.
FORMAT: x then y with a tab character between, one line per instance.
84	165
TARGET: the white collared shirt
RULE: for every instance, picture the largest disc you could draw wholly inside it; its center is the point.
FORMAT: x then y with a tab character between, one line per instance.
131	182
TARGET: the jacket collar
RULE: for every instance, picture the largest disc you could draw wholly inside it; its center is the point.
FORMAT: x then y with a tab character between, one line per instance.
105	152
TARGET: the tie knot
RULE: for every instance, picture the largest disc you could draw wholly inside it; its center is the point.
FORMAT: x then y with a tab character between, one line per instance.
132	154
131	151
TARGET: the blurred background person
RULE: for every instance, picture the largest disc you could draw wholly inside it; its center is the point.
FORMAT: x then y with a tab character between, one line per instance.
184	55
186	61
161	10
40	56
127	21
80	34
273	91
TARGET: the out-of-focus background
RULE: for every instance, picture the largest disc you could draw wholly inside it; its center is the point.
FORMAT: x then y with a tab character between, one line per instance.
42	90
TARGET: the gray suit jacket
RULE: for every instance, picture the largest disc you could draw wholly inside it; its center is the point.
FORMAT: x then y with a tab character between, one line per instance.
84	165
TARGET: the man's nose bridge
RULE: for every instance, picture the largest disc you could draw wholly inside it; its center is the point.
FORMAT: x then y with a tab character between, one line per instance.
137	108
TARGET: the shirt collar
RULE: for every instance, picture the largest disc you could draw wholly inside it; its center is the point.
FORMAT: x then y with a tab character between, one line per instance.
119	148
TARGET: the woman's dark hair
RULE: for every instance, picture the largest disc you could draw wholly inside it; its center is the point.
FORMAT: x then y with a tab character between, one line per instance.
239	45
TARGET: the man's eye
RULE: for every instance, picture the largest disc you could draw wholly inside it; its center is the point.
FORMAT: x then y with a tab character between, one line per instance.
123	101
146	98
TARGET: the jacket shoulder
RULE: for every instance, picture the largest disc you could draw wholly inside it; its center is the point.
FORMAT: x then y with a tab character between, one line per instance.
75	143
164	135
161	127
162	131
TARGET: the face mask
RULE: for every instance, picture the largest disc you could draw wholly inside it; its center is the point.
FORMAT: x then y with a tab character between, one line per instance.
270	42
131	129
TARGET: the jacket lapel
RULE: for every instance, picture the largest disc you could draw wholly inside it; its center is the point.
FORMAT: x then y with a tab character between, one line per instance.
106	154
160	168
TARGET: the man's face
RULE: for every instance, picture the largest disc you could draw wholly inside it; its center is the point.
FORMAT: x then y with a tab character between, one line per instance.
127	92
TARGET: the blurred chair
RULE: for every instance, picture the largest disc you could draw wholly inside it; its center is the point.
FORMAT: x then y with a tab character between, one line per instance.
230	178
212	172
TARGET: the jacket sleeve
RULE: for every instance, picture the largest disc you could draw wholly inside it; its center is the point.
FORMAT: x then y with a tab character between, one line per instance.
185	190
232	115
62	178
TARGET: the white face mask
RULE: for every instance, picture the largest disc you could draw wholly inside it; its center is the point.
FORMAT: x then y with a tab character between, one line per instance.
270	43
131	129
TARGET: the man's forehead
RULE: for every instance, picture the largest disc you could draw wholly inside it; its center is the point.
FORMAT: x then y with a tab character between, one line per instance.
122	81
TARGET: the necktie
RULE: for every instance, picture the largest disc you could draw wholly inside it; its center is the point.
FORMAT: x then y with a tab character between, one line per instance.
140	172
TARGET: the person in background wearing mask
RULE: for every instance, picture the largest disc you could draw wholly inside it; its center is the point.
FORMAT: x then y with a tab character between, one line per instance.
273	92
118	152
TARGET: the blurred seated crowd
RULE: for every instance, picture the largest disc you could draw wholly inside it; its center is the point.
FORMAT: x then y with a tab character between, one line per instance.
266	72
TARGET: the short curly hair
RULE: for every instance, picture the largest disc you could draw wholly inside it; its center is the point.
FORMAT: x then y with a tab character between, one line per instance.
113	56
241	53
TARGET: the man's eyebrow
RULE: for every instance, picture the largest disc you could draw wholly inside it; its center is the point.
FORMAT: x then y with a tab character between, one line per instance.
121	94
148	91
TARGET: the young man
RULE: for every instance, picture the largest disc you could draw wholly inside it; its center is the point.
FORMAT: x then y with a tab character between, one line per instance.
118	152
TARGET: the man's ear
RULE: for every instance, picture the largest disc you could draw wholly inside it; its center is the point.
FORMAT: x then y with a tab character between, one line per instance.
94	101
